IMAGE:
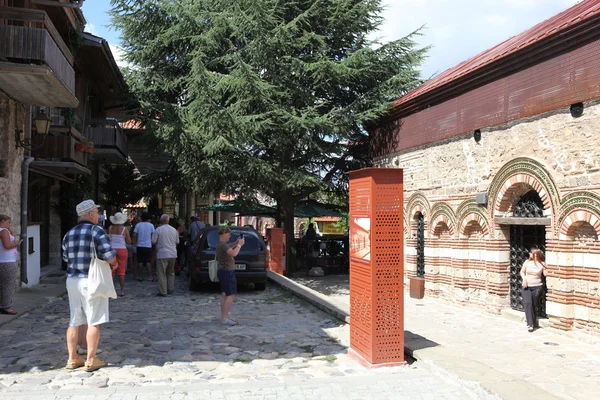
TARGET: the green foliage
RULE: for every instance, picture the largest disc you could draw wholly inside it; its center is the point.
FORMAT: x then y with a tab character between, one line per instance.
265	95
121	185
72	194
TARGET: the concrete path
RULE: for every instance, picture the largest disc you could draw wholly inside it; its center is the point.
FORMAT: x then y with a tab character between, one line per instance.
175	348
478	346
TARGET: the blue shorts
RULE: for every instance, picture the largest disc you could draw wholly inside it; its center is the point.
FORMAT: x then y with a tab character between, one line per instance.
227	282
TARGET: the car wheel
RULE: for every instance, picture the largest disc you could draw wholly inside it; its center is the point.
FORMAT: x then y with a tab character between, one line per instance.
194	286
260	285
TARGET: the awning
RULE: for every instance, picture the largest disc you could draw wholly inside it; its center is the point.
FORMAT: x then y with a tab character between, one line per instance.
240	206
58	169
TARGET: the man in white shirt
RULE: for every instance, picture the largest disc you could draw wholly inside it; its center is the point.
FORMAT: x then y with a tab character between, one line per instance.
142	238
166	239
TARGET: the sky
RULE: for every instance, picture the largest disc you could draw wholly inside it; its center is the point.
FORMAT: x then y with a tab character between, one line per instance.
456	30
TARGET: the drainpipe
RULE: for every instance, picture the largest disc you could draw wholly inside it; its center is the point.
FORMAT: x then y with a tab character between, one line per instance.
24	198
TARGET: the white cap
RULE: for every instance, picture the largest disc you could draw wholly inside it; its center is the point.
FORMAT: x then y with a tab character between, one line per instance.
85	207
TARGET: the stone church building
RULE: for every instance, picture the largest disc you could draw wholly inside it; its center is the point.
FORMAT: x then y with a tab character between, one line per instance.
500	154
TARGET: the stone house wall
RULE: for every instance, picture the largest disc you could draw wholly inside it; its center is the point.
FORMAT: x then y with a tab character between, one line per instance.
467	253
12	116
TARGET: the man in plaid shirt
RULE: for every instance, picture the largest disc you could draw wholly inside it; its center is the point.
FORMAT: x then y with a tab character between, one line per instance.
77	252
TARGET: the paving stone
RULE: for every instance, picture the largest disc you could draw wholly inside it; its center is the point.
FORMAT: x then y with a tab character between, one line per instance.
172	344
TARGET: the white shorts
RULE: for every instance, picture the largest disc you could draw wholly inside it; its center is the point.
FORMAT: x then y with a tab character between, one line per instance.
83	311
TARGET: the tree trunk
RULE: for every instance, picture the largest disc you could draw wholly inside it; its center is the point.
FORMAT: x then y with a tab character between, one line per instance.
286	205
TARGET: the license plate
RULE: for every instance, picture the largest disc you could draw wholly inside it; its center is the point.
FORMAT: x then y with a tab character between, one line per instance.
240	266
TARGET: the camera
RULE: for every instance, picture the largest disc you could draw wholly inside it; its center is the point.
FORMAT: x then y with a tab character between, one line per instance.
241	235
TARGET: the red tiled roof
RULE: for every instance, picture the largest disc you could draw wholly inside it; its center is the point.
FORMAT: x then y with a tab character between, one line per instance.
132	124
560	22
326	219
139	204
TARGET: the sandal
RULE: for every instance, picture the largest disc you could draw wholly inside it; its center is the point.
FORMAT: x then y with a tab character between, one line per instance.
8	311
229	322
94	365
76	363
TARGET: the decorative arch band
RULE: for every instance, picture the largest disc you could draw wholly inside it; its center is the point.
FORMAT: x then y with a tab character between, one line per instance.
439	222
503	200
417	203
525	171
575	217
442	214
472	218
578	207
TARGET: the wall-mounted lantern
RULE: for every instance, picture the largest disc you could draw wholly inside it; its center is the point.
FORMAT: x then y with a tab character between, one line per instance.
42	127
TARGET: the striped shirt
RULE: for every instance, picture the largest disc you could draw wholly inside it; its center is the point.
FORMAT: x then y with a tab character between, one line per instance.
77	248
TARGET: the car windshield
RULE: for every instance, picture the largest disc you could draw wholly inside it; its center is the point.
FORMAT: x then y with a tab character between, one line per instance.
252	243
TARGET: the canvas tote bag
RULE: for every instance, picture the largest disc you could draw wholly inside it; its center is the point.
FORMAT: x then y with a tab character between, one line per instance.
213	267
100	281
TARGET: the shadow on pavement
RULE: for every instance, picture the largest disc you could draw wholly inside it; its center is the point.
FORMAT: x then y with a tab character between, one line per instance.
182	332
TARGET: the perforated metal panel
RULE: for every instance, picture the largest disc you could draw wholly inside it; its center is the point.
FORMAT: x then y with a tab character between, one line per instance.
275	241
377	265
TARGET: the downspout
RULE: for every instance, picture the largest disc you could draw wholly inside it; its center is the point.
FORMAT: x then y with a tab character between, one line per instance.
24	202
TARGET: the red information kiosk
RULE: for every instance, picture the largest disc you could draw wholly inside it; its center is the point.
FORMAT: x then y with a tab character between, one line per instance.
377	267
276	243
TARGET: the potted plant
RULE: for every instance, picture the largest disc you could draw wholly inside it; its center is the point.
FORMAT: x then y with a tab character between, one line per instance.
85	147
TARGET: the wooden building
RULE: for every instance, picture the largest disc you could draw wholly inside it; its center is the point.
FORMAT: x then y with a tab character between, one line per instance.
50	67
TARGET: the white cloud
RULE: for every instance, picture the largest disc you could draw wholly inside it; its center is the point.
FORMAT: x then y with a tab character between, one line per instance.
90	28
460	29
498	20
118	55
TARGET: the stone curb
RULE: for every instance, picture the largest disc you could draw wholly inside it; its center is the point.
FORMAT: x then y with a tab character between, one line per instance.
313	297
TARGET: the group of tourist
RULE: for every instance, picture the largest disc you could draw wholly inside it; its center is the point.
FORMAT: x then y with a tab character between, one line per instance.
88	239
146	243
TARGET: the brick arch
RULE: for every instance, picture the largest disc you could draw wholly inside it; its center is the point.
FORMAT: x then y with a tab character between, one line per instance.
417	203
566	230
520	174
442	213
578	207
474	218
441	222
516	186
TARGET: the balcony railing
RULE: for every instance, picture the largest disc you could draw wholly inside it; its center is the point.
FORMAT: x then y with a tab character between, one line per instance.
110	143
59	148
29	37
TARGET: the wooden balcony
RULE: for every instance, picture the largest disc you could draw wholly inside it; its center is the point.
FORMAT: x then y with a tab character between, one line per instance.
110	143
60	149
37	67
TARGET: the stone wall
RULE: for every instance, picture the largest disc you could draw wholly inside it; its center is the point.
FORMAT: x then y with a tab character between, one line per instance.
12	116
467	253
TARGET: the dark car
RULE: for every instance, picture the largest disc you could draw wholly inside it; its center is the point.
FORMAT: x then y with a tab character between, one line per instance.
250	264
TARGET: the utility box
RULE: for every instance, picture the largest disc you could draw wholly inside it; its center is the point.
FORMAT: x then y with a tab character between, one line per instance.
377	267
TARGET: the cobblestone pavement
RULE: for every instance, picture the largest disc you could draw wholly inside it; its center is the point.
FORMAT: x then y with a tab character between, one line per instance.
175	348
473	343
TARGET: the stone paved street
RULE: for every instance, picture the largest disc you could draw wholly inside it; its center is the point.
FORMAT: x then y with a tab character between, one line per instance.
491	349
175	348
